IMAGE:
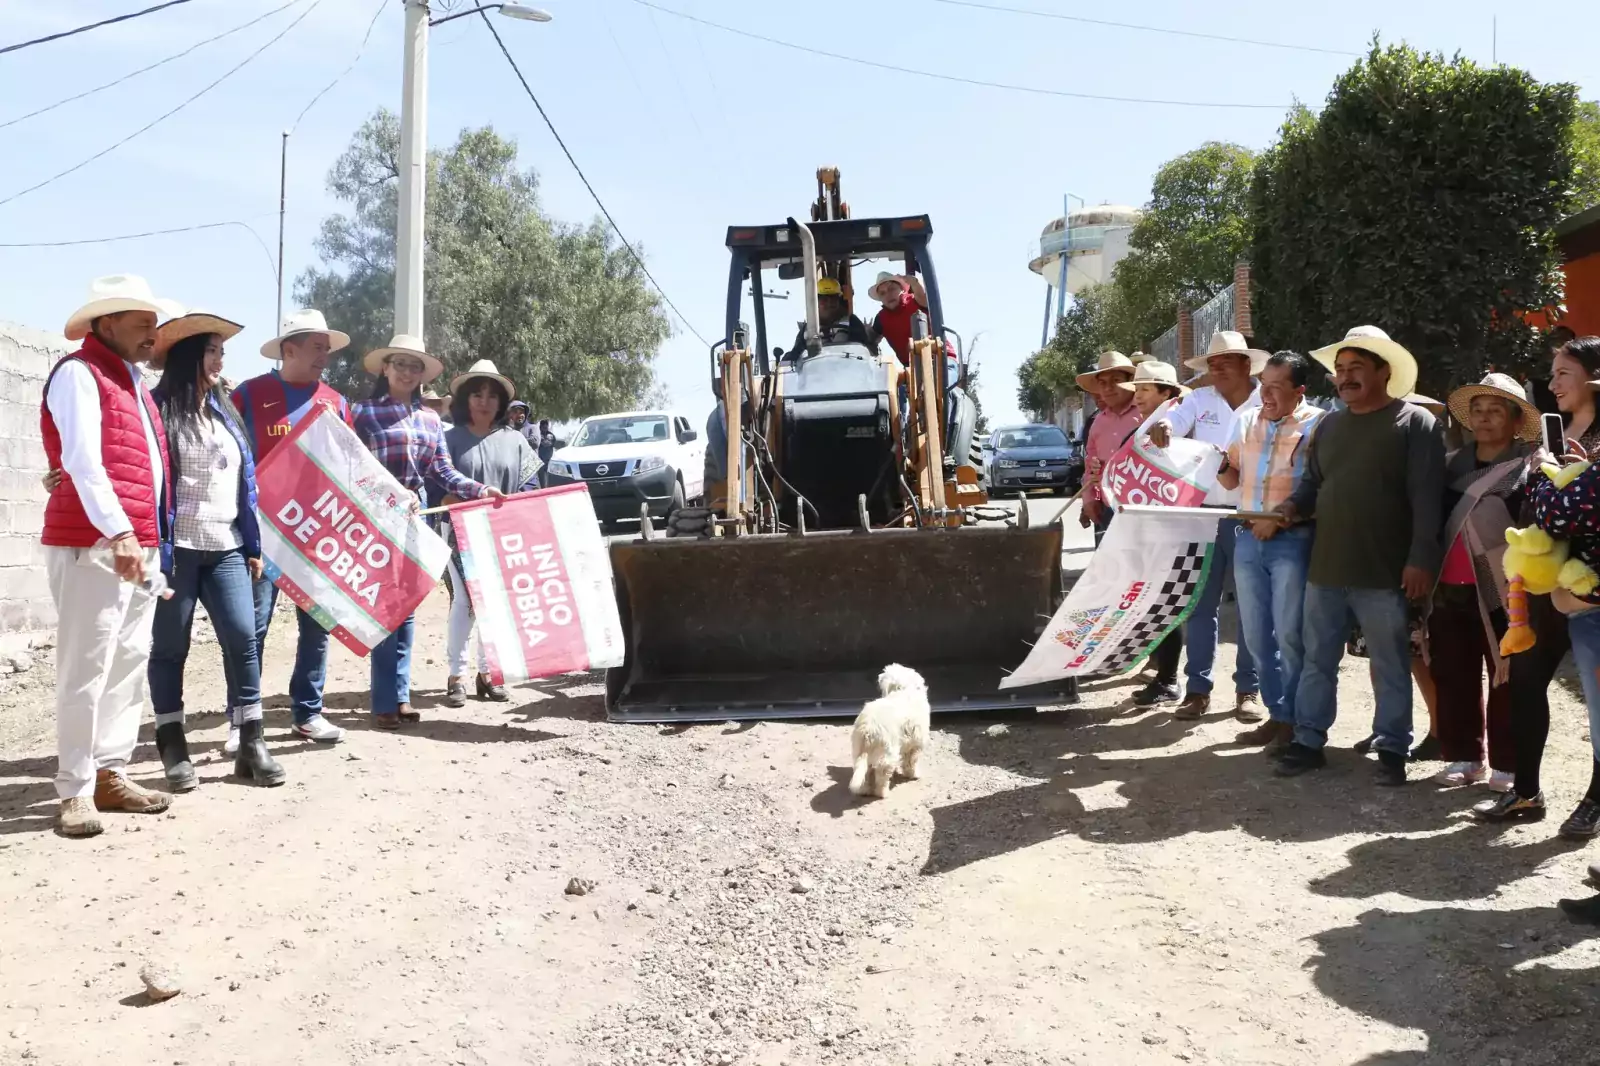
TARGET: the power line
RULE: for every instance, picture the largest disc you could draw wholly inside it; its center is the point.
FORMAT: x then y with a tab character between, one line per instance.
1002	8
359	53
92	26
162	118
584	178
152	66
151	233
938	76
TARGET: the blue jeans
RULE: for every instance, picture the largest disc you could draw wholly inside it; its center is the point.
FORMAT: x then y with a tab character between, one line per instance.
1381	613
310	654
1270	576
391	670
1200	633
221	581
1584	630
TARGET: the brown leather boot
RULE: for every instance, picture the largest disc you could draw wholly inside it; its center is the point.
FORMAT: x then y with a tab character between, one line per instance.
114	792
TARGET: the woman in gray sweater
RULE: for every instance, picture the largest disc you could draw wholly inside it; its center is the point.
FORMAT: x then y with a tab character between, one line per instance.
488	450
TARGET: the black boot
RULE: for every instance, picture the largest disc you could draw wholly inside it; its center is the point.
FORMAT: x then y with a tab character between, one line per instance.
254	762
174	749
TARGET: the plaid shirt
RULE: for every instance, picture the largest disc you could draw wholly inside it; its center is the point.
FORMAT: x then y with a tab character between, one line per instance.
1270	456
409	440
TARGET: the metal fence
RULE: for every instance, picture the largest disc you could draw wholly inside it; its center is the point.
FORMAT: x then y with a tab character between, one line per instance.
1213	317
1165	347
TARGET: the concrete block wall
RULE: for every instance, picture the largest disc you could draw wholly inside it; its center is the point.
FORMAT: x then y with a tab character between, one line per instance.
26	356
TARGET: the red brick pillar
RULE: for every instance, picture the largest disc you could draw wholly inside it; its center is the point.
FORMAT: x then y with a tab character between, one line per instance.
1185	338
1242	320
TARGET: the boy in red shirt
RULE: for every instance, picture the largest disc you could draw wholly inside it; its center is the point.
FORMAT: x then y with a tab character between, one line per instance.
901	297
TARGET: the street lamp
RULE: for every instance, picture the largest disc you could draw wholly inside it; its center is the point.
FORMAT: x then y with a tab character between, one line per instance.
414	154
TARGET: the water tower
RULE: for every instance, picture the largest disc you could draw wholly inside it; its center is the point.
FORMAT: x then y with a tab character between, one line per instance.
1077	250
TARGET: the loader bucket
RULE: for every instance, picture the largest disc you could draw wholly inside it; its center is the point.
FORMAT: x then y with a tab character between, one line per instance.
799	626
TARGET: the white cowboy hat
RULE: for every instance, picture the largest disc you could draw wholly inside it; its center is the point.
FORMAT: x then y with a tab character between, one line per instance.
1374	341
1227	342
1503	387
403	344
112	295
188	324
484	368
1416	399
1154	372
305	320
885	276
1107	361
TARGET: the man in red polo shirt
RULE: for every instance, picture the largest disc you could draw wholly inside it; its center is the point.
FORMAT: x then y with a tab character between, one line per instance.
902	297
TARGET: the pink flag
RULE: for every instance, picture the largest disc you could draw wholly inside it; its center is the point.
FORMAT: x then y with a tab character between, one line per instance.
1179	475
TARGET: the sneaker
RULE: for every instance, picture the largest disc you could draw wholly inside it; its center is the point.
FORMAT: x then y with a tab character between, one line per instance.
1193	708
114	792
1502	780
230	747
1156	693
1428	751
1298	758
1248	708
79	818
1274	736
1458	774
319	729
1584	822
1391	772
1510	807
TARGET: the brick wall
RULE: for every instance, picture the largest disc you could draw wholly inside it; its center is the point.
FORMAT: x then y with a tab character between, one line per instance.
26	356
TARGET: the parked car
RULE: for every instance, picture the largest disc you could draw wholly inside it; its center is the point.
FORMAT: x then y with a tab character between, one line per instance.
1033	457
632	459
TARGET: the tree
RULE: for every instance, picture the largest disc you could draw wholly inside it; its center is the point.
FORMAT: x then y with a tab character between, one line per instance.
982	422
1422	200
1586	157
1184	247
563	310
1050	374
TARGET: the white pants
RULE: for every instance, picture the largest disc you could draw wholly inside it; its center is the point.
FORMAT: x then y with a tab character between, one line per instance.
461	627
102	654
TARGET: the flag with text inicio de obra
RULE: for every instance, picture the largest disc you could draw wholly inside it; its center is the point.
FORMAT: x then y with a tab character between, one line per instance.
1179	475
1140	585
340	534
540	581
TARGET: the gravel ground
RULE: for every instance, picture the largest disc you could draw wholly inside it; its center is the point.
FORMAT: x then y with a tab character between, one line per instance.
526	883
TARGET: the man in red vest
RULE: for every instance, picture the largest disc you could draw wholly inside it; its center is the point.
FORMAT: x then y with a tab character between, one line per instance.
271	405
103	529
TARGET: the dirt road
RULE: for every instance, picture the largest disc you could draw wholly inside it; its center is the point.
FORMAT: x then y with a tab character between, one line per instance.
1090	885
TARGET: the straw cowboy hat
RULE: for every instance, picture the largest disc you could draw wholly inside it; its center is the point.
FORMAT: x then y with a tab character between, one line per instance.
296	323
1154	372
112	295
484	368
188	324
884	277
1374	341
432	399
1107	361
403	344
1502	387
1227	342
1416	399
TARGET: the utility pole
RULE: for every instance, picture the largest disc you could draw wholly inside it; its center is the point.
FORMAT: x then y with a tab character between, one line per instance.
413	173
283	186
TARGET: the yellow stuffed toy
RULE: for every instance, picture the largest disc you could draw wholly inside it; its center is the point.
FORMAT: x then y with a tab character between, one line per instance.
1536	564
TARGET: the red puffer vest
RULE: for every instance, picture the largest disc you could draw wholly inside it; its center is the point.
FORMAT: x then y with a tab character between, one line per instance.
123	450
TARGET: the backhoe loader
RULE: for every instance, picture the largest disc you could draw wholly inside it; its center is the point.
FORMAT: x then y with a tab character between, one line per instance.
846	528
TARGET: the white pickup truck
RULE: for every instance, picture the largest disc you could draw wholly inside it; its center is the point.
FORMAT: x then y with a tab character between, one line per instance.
631	459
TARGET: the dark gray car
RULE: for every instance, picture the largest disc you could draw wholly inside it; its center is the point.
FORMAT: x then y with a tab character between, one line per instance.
1033	457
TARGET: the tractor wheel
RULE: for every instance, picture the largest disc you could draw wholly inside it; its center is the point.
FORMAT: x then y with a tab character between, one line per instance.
691	522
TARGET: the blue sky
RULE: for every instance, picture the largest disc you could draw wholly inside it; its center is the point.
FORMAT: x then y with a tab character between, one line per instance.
684	129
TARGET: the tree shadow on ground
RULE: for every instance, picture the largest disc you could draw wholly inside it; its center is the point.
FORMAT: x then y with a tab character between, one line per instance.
1215	789
1470	979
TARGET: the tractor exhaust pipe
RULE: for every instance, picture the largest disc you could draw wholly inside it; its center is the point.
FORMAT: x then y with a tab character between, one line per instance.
808	254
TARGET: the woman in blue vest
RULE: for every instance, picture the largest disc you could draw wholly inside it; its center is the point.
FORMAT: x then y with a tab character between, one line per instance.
212	553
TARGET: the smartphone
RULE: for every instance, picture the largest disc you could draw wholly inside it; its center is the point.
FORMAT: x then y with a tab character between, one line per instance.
1554	432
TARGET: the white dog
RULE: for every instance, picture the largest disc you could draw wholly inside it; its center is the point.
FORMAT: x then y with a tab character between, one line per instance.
890	732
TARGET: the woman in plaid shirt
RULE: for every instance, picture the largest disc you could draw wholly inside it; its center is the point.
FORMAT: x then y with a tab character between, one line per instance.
408	438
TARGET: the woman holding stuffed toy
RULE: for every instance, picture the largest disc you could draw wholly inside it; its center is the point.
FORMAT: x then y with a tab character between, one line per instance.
1554	510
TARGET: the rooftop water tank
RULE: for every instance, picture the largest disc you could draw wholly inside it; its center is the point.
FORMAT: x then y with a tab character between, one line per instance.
1095	239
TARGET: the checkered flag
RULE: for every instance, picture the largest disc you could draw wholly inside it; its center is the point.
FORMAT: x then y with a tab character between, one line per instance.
1168	608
